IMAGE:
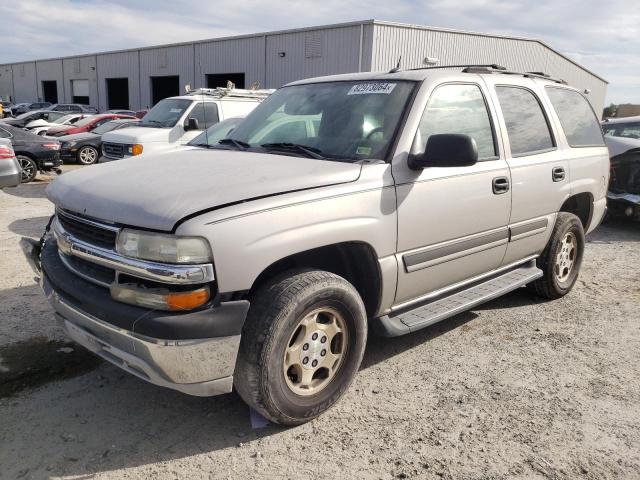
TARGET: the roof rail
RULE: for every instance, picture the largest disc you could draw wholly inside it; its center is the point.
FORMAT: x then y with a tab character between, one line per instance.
221	92
491	68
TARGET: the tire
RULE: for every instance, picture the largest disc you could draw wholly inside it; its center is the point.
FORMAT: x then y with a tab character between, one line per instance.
273	337
87	155
29	168
42	133
561	259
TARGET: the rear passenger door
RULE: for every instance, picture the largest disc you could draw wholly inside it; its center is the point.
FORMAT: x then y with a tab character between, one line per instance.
539	170
452	221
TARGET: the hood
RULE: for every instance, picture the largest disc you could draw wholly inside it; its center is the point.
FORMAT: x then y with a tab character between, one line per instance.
158	190
132	135
619	145
77	137
58	129
37	123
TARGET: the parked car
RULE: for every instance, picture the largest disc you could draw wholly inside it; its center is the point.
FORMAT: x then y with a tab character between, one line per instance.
624	186
141	113
27	107
177	120
73	107
34	153
416	195
627	127
85	147
10	172
40	127
23	119
84	125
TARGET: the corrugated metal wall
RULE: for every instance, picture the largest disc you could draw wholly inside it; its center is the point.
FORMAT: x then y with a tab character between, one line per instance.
6	82
311	53
277	58
159	62
25	82
80	68
119	65
48	70
243	55
450	48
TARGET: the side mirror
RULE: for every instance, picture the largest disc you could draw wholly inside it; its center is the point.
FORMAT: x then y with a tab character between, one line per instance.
192	124
446	150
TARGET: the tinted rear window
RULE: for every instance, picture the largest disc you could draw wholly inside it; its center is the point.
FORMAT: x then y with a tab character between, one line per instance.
576	116
527	125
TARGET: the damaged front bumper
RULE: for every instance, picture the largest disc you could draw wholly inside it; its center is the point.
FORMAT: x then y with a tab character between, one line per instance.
152	345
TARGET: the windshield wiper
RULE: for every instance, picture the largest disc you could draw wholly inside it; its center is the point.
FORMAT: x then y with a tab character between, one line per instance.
239	144
309	151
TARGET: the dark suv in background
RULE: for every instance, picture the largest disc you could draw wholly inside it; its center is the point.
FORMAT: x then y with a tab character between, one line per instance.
73	107
26	107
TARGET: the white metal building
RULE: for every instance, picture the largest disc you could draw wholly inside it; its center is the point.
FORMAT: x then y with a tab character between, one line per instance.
138	78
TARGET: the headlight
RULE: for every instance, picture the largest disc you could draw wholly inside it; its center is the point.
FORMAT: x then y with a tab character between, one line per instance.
163	248
160	298
135	149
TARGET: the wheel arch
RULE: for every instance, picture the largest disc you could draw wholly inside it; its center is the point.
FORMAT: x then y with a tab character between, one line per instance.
355	261
581	205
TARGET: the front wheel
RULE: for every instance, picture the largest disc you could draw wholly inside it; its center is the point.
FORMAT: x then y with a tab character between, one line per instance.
29	168
87	155
560	262
301	345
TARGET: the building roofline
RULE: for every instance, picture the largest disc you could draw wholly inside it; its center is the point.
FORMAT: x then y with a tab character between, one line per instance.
490	35
310	28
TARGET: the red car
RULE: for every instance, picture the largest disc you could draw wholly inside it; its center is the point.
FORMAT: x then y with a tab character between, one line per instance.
85	125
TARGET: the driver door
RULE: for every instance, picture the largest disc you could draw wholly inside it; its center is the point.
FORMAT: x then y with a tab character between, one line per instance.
452	221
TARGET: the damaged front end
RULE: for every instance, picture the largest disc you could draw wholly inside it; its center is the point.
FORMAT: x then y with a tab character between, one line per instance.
624	187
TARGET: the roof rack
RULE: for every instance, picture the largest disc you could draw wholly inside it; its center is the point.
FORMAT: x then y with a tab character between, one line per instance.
221	92
494	68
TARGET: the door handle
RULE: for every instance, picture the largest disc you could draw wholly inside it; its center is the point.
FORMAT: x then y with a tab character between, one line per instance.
500	185
558	174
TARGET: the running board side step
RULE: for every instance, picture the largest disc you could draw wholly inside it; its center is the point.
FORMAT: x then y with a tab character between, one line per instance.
422	316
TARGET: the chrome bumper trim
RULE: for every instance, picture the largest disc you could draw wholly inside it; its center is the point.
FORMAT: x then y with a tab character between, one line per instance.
159	272
195	367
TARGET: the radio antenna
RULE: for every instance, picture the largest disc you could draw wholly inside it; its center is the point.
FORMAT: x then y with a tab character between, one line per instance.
397	67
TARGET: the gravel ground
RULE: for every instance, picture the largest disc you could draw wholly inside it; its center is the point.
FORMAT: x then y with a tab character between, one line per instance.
519	388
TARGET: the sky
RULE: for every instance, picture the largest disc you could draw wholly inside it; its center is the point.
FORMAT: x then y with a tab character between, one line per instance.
602	36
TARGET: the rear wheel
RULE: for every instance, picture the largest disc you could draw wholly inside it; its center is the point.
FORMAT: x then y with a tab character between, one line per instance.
301	345
87	155
29	168
561	259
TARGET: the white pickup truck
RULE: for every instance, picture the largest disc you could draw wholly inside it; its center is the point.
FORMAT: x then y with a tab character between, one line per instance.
175	121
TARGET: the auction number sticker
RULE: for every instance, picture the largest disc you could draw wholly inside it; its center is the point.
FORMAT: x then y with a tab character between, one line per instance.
366	88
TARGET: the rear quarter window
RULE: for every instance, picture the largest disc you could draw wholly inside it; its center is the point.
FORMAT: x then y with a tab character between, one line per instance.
577	118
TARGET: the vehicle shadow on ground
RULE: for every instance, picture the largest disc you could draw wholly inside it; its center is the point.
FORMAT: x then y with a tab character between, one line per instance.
28	190
29	227
616	230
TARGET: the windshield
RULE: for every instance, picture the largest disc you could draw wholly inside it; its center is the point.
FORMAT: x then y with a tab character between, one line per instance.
26	115
335	120
627	130
166	113
213	135
64	119
106	127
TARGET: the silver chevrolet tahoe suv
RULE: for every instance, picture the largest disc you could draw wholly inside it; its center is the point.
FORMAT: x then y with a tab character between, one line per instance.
380	202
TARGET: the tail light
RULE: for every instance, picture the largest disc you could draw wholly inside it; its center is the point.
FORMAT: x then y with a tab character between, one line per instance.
6	152
51	146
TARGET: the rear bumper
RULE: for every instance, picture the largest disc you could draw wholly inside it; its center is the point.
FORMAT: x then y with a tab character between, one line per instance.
192	352
10	173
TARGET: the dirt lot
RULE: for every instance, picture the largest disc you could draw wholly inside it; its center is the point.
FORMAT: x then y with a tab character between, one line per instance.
519	388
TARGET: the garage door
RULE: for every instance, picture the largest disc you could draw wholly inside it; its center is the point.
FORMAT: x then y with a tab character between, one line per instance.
80	91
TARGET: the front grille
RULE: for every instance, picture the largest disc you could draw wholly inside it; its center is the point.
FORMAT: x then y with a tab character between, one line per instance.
93	234
114	150
91	271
